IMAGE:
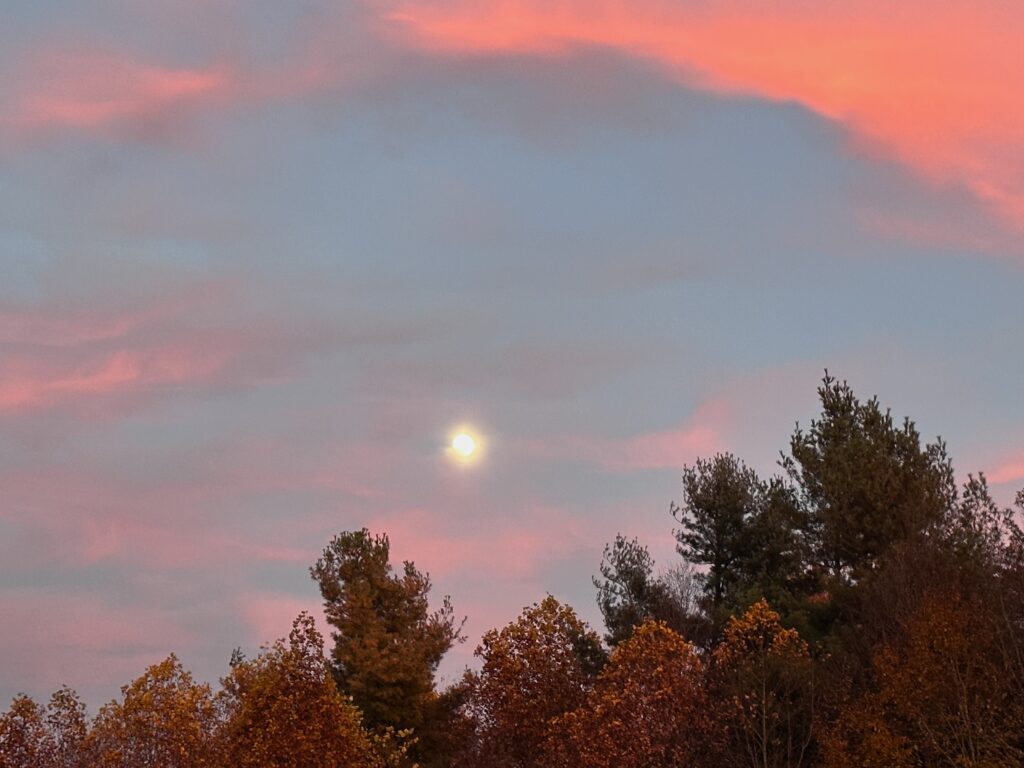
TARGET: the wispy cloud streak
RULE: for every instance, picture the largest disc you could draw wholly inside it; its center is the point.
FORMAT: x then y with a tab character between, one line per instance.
933	86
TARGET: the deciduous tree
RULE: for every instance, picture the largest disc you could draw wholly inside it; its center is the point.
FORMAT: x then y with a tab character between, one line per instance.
538	667
25	741
68	728
647	709
945	695
763	679
282	709
163	720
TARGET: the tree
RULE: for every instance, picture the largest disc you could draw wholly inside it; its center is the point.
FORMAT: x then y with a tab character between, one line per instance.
774	564
536	668
647	709
447	730
751	535
945	695
719	498
763	678
283	709
684	585
24	739
984	534
628	593
865	482
387	643
164	720
863	736
68	728
54	737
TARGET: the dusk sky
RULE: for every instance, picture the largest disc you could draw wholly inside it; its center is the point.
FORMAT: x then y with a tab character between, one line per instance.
258	259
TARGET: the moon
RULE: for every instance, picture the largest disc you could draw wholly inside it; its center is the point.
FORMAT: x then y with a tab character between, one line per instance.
464	445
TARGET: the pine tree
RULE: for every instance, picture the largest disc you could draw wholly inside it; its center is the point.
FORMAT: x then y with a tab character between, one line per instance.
387	643
865	481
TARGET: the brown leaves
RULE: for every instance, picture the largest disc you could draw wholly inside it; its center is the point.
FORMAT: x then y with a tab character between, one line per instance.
279	710
24	739
648	708
54	737
536	668
947	693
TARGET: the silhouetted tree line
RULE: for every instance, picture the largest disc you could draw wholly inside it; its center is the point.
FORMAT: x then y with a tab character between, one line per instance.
858	610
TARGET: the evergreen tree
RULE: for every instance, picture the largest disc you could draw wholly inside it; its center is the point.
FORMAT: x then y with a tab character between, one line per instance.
387	642
628	593
774	563
720	497
865	481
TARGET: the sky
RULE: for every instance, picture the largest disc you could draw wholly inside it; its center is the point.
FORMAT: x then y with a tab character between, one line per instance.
258	259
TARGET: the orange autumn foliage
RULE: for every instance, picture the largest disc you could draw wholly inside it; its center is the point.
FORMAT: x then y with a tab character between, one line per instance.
24	741
535	669
949	693
163	720
52	737
282	709
647	709
762	678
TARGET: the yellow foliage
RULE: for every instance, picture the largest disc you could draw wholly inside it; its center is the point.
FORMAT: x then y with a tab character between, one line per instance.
765	686
164	720
283	710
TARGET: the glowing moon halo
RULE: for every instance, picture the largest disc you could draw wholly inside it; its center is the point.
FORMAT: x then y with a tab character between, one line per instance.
464	445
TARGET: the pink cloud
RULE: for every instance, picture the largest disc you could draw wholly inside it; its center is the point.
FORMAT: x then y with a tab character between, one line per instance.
514	547
1008	470
933	87
96	91
191	509
936	87
55	638
35	325
198	507
81	517
700	436
86	89
93	91
931	232
29	385
118	356
269	615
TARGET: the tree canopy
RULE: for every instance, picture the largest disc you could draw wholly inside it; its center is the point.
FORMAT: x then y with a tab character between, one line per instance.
857	610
